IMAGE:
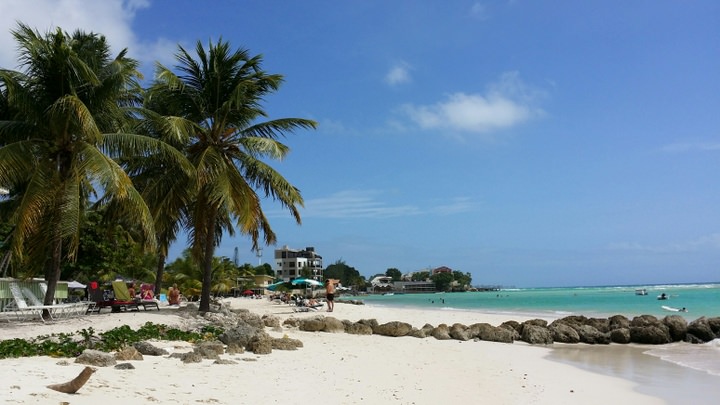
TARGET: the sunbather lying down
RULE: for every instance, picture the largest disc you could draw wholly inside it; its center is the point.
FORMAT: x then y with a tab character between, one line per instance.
306	305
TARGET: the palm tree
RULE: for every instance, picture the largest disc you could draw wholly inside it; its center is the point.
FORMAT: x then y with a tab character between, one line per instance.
61	130
221	92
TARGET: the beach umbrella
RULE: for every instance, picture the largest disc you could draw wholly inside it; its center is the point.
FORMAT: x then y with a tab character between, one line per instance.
307	281
75	284
248	292
273	286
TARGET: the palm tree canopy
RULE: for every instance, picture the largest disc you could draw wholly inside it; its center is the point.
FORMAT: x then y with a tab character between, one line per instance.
221	93
62	128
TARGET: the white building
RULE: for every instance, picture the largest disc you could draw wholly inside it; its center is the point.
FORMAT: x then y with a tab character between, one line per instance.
289	262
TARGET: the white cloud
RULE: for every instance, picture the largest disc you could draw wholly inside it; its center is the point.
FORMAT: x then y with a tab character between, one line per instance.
505	104
367	204
398	74
355	204
111	18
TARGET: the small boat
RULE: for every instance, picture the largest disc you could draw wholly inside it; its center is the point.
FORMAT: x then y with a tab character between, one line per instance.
672	309
388	293
641	291
662	296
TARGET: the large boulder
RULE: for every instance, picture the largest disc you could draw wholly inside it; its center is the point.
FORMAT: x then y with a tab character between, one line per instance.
677	326
459	331
314	324
714	323
618	322
648	329
441	332
271	321
96	358
423	332
564	333
209	350
513	327
394	329
148	349
128	353
601	324
591	335
536	334
650	334
333	325
485	331
357	328
242	335
620	335
260	344
286	343
701	330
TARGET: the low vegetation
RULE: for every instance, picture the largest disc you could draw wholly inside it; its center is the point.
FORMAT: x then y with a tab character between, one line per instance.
72	344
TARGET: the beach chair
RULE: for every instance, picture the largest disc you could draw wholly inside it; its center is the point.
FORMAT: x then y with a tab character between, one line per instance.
21	308
56	311
123	300
69	309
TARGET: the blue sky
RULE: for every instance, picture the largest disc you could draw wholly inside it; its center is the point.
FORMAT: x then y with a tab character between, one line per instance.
551	143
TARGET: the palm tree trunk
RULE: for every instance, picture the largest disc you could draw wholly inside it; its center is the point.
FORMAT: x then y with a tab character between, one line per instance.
208	252
159	273
53	276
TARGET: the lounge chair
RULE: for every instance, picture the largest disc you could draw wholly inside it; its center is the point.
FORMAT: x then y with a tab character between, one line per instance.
21	308
70	309
55	310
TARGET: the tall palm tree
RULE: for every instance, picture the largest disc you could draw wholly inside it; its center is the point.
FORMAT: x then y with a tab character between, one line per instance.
221	92
61	130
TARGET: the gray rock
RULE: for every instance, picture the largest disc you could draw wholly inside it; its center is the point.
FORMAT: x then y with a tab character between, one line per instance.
148	349
128	353
260	345
271	321
394	329
487	332
125	366
234	348
191	357
564	333
357	328
241	334
620	335
372	323
333	325
536	334
286	343
96	358
441	332
677	326
591	335
651	334
291	322
618	322
314	324
459	331
210	350
701	330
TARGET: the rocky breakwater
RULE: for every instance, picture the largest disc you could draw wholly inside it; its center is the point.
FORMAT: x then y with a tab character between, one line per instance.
645	329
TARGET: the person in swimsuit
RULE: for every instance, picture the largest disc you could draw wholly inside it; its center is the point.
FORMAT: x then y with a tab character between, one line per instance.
330	292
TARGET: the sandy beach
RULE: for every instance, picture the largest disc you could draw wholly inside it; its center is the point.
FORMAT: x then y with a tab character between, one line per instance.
334	368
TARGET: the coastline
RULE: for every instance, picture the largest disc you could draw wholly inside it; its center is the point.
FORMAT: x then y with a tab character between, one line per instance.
342	368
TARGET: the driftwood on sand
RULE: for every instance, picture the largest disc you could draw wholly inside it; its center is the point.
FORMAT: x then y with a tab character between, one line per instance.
76	383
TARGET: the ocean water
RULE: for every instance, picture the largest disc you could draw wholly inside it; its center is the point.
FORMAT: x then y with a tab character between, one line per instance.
700	299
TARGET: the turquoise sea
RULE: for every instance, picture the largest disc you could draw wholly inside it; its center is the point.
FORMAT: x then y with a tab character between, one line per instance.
701	363
700	299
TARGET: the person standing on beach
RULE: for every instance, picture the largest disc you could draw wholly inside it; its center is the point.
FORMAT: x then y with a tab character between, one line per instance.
330	292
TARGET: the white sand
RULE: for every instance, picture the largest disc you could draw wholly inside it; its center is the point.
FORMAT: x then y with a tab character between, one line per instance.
330	368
